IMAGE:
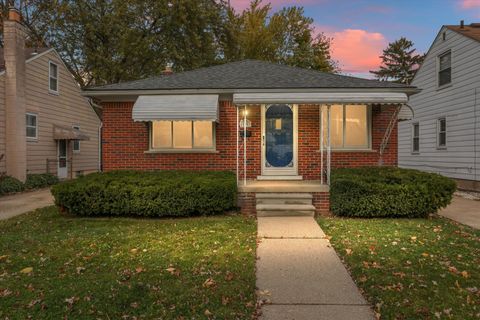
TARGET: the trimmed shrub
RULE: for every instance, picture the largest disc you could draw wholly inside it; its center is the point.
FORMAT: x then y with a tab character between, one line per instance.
149	194
388	192
42	180
10	185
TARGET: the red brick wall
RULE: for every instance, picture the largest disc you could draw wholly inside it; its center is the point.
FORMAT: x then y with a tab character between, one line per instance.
125	143
309	143
321	202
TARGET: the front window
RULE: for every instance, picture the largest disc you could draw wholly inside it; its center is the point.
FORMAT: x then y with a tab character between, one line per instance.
445	69
442	133
415	137
76	143
182	135
349	126
31	123
53	77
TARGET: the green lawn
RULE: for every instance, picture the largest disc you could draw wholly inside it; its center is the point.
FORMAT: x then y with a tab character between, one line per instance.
411	269
54	267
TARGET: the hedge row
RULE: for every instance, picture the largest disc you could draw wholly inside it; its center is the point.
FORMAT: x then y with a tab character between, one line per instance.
152	194
34	181
388	192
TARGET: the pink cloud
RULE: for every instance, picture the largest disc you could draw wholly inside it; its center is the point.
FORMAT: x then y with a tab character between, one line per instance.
244	4
470	4
356	50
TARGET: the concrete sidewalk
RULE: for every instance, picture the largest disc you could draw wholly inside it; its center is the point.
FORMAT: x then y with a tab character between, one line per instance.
299	275
465	211
17	204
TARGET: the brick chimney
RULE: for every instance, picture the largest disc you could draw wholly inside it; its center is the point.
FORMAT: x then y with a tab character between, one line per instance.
168	69
14	54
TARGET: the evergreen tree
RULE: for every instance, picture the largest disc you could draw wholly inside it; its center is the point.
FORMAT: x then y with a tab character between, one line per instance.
399	62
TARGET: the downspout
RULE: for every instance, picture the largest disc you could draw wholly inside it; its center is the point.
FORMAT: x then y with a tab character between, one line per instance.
238	128
100	147
475	128
95	105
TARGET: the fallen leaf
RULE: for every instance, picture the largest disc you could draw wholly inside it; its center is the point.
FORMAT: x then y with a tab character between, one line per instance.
229	276
464	274
453	270
208	313
139	269
348	251
26	270
209	283
80	270
173	271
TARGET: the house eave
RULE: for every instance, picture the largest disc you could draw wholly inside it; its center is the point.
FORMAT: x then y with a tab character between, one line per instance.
225	94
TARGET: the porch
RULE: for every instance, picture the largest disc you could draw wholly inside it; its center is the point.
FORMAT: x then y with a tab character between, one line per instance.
283	186
287	145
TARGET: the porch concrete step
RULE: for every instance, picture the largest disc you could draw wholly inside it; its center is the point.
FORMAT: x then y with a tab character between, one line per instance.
276	210
282	213
284	201
272	195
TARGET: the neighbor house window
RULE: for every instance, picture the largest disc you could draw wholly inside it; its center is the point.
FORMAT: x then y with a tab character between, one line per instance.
76	143
53	77
442	133
182	135
32	126
444	69
349	126
415	137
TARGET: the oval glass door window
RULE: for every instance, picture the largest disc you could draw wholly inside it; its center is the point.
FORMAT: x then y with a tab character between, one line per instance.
279	136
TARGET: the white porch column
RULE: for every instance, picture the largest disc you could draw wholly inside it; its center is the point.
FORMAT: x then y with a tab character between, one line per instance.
245	145
238	134
321	143
328	145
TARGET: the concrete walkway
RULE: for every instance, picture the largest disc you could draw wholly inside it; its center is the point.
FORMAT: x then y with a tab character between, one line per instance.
299	275
17	204
465	211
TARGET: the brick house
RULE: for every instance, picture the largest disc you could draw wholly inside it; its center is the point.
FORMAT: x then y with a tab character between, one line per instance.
261	120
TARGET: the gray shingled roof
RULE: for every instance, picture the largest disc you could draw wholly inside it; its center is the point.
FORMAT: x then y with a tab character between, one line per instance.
248	74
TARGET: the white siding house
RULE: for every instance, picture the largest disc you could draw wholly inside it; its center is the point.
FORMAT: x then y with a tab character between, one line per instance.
444	135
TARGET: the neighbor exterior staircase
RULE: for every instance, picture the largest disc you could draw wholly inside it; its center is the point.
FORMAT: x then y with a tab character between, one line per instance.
284	204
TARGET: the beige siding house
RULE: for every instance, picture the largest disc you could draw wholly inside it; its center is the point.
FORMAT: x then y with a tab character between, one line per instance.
46	125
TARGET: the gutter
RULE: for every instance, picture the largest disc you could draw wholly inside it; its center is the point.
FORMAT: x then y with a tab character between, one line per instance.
117	93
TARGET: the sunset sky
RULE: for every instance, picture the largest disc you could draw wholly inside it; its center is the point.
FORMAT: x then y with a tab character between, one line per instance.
362	28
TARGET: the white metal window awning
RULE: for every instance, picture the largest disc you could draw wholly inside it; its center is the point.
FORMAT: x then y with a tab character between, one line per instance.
176	107
321	97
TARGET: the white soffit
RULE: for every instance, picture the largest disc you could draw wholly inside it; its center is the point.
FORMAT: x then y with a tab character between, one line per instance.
321	97
176	107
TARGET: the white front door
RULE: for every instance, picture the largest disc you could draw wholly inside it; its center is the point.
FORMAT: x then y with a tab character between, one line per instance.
62	163
279	140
